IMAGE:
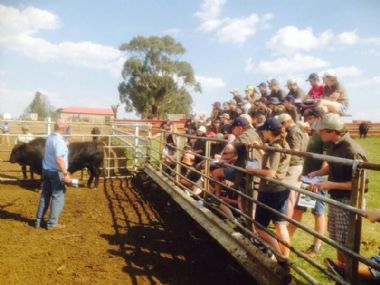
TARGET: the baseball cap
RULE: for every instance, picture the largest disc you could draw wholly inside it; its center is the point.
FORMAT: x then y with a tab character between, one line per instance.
262	84
239	122
291	81
216	104
234	90
249	87
225	115
329	73
247	117
283	118
331	121
202	129
273	82
290	98
312	76
232	102
270	124
274	101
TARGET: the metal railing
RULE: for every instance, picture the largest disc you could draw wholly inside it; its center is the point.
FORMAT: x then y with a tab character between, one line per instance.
351	249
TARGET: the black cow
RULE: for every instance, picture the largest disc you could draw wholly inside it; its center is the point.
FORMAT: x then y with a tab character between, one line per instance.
363	129
81	155
31	154
89	155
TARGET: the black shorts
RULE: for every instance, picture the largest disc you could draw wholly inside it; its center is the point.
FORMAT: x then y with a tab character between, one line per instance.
277	201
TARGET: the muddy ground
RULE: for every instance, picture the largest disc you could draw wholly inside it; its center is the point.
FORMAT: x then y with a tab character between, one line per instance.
117	234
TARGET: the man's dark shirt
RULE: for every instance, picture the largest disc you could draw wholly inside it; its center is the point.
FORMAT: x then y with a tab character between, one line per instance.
345	148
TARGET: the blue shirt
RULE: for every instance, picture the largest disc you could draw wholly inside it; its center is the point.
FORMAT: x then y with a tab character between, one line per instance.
55	147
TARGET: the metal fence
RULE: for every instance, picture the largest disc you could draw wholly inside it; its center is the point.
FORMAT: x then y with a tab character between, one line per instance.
351	250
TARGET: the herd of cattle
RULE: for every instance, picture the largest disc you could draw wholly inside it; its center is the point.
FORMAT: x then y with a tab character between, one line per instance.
81	155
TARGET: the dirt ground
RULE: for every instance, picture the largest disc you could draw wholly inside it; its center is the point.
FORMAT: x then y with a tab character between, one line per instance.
117	234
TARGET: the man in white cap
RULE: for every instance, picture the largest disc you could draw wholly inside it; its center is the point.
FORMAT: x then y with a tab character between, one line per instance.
339	182
297	141
335	99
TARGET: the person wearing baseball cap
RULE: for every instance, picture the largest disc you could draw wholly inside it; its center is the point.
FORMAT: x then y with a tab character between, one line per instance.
263	90
274	165
275	90
234	111
251	94
236	95
290	108
317	88
295	91
339	182
335	99
225	124
297	140
276	106
315	145
216	111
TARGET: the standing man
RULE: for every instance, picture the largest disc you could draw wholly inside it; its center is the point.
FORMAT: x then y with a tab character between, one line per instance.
263	90
275	90
339	182
295	91
297	141
54	177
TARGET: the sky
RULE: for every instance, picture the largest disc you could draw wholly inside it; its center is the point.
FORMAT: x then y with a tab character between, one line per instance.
69	50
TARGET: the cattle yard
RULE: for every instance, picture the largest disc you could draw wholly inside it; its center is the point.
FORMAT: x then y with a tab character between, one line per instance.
116	234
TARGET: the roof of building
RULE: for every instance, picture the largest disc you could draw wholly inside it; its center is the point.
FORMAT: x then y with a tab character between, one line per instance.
86	110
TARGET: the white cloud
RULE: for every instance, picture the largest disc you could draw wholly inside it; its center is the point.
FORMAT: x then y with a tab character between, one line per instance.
291	65
348	71
290	38
374	80
347	38
209	14
237	30
210	83
249	65
18	29
231	30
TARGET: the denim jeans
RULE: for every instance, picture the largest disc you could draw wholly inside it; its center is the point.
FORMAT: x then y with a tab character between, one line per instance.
52	190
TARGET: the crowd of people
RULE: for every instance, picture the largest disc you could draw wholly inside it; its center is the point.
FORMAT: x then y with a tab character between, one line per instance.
287	120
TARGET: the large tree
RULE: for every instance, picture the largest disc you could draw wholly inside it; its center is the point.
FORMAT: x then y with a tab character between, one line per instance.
40	105
156	82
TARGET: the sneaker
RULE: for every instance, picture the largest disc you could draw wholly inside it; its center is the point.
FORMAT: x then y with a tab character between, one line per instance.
56	227
313	250
333	267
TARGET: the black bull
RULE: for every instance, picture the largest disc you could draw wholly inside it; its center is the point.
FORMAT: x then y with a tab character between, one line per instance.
81	155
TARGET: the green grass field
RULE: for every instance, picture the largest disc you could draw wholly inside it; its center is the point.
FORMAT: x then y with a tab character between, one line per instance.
370	231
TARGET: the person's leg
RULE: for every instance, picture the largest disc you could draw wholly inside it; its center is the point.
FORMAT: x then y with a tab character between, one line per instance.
283	234
227	211
294	173
44	201
57	201
297	215
329	106
319	226
269	239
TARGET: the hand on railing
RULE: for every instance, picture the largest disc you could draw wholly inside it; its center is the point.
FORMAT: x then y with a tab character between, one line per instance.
373	215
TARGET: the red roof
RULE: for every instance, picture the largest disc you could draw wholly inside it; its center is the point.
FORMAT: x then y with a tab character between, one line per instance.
85	110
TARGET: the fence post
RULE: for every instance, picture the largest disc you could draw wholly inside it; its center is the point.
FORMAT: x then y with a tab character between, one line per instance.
148	144
161	149
136	145
109	157
178	155
355	222
207	166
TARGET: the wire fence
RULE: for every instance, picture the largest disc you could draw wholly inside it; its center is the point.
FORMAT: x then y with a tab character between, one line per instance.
171	168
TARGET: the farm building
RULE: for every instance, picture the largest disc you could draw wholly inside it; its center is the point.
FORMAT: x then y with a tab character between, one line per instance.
84	114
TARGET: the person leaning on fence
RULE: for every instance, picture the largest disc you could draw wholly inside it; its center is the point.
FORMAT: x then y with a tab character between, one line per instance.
55	163
297	141
274	165
315	145
339	183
